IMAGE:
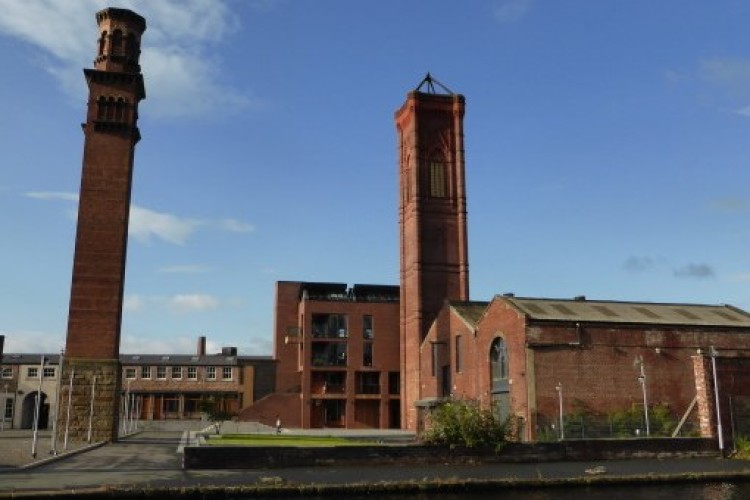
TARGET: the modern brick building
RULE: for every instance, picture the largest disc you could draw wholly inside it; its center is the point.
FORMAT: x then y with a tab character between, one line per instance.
338	357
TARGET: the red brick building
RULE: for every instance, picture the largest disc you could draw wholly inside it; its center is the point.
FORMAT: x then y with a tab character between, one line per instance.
337	350
525	356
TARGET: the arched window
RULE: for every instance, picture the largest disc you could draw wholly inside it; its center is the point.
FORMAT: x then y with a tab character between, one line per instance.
102	42
131	46
499	365
116	49
110	109
120	110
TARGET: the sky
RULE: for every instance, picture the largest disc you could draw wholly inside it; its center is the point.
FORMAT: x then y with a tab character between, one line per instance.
607	154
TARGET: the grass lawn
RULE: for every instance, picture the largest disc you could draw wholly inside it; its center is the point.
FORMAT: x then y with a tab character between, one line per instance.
282	440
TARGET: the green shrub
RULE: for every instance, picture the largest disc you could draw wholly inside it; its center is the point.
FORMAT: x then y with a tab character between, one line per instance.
741	448
465	423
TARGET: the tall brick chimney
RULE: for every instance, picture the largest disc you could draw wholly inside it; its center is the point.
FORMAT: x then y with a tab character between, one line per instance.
432	221
201	346
110	134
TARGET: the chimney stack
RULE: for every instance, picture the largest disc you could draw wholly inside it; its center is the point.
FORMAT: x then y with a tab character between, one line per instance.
201	346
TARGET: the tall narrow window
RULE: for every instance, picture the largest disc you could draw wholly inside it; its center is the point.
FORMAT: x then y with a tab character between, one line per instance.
368	332
437	180
434	359
458	354
8	413
499	364
116	49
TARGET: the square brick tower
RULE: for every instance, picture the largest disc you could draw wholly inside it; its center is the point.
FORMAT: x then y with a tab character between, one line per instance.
432	221
110	134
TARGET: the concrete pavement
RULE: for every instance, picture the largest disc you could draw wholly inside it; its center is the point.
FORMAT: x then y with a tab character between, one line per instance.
151	460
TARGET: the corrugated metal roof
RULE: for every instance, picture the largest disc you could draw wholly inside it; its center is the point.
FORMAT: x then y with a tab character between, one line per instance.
631	312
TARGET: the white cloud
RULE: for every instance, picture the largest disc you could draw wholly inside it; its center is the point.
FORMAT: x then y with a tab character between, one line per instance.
33	342
146	224
181	74
52	195
133	303
236	226
508	11
741	278
185	303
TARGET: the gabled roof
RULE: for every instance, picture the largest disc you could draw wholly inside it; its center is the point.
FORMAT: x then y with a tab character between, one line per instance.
470	312
602	311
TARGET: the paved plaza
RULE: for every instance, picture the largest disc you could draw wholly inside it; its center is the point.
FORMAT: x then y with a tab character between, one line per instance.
152	459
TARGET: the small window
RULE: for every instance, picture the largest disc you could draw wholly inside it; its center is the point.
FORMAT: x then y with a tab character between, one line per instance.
49	372
192	372
7	372
368	332
32	372
177	372
211	372
227	373
130	373
367	354
161	372
146	372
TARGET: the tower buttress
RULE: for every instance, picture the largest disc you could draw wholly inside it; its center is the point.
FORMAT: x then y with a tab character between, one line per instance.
432	221
110	134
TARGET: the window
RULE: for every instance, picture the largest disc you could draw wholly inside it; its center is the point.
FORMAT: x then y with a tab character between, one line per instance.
328	354
211	372
130	373
368	383
146	372
49	372
367	354
161	372
176	372
499	364
8	410
329	326
226	373
7	372
458	354
192	372
32	372
433	359
437	180
394	383
368	332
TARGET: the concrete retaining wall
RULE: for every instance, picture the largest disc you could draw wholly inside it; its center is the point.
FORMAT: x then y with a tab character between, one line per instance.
259	457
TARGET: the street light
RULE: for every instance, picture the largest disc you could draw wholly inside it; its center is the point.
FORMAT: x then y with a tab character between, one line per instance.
642	380
559	389
713	353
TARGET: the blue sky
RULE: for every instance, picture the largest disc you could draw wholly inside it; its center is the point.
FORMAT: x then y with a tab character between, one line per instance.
607	154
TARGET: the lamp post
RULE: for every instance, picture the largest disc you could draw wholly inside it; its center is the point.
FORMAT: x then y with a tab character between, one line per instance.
642	380
559	389
37	409
713	353
58	390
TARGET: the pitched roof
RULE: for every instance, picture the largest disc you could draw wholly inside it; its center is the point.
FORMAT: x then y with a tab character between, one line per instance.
471	312
602	311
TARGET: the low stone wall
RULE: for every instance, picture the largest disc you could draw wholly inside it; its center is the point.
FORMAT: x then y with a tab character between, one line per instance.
262	457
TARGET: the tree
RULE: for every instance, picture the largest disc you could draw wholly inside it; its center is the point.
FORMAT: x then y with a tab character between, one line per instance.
213	413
